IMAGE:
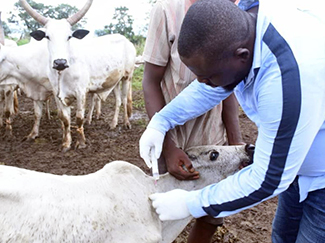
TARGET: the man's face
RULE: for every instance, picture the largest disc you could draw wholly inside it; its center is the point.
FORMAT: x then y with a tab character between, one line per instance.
226	73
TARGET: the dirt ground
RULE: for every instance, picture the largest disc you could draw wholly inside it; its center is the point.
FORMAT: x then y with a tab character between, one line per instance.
103	146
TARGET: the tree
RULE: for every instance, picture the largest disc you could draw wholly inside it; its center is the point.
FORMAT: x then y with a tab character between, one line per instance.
6	29
122	24
58	12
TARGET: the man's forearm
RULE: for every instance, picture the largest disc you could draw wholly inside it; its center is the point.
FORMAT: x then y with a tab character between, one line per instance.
153	96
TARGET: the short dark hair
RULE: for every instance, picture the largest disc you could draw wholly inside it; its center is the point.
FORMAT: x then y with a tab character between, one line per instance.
212	29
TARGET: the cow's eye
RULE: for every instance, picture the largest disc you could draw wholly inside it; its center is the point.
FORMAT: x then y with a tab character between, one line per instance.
214	155
47	37
69	37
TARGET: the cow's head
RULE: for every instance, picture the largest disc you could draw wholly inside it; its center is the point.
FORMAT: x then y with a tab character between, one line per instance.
58	33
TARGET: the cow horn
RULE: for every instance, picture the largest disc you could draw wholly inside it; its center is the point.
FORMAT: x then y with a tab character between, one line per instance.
39	18
77	16
2	33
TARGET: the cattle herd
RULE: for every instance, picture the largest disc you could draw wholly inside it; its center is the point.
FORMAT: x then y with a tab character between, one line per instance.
110	205
67	65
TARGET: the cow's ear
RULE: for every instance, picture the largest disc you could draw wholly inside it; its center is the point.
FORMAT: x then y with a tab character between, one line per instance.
79	34
38	35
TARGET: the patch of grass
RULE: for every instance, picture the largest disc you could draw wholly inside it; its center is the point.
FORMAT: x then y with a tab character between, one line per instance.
138	72
138	104
140	122
137	78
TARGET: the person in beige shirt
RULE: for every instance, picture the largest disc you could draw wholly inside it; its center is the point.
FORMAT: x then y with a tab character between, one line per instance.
165	76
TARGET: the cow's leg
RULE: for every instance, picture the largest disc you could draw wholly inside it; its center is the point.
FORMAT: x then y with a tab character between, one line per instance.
9	110
80	113
38	106
16	103
89	117
117	93
98	105
2	104
8	133
127	101
47	109
64	113
93	103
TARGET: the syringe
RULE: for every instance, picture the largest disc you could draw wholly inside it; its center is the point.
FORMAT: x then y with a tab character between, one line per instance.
155	171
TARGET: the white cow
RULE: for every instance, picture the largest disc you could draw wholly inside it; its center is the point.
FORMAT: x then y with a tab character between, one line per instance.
8	93
25	66
81	66
96	100
110	205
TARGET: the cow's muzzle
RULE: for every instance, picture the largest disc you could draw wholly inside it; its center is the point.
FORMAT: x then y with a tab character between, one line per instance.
249	148
60	64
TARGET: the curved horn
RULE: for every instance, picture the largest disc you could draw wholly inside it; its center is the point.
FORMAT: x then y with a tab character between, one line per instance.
2	33
77	16
39	18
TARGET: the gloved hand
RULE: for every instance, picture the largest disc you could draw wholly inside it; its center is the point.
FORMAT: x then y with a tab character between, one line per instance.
171	205
150	145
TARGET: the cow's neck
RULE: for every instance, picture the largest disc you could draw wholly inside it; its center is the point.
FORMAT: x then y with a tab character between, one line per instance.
168	182
171	229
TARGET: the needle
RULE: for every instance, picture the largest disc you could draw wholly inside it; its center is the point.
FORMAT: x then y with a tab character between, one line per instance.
155	171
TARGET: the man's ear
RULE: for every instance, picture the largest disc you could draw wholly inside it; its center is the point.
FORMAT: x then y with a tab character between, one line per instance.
243	54
80	34
38	35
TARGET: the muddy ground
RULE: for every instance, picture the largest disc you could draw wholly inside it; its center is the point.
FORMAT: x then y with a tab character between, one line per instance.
104	145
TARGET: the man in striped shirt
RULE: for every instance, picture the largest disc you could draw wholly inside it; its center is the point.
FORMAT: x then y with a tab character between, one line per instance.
272	57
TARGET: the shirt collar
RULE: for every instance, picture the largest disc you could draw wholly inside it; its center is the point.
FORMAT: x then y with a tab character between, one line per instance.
256	65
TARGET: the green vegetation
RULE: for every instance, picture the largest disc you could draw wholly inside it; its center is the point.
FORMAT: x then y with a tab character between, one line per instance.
57	12
122	23
138	72
137	80
22	42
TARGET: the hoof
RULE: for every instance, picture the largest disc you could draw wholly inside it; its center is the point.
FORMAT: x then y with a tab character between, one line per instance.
28	139
65	149
88	121
128	126
80	145
112	127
